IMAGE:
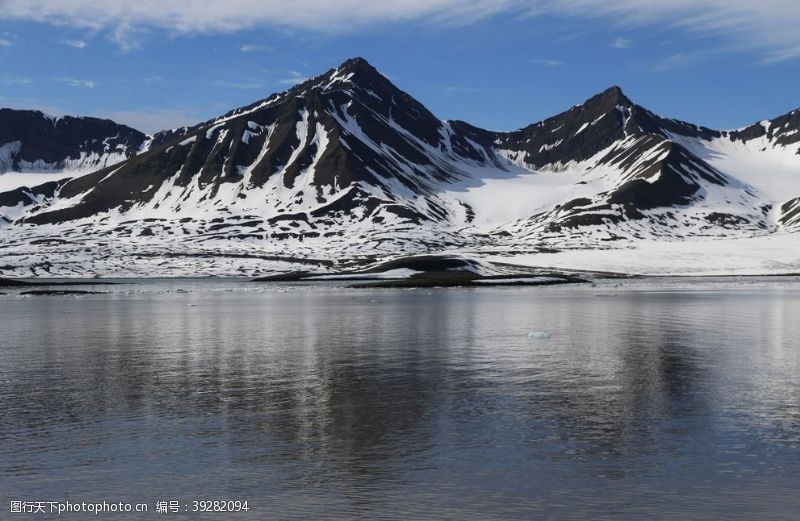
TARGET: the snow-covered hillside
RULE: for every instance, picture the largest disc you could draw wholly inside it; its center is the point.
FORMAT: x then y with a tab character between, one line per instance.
347	169
37	150
34	142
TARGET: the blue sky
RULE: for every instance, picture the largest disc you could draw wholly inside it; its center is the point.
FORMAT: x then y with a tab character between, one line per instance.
499	64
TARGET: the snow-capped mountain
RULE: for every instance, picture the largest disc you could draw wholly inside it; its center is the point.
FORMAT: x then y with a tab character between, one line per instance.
31	141
346	166
39	153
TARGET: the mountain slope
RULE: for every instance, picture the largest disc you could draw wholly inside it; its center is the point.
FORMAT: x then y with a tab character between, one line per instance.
626	167
39	153
348	166
344	142
31	141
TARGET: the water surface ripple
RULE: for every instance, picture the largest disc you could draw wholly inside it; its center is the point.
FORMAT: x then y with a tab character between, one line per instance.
658	399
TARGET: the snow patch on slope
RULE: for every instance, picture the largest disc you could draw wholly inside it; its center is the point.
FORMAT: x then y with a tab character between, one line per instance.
773	169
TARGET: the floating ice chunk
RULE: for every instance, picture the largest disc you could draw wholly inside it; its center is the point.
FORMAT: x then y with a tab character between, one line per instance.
539	334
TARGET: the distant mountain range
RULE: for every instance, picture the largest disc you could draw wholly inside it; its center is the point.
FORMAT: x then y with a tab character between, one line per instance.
33	141
348	166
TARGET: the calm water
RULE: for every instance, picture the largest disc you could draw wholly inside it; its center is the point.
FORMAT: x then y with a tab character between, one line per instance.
659	399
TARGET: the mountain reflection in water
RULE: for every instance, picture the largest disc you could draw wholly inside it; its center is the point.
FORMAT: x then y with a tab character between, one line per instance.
324	402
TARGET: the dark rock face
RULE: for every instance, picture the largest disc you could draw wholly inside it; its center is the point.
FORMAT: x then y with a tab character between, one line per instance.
783	130
11	283
29	196
36	141
656	171
790	213
575	135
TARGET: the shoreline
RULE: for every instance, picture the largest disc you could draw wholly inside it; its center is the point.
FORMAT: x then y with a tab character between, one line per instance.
29	282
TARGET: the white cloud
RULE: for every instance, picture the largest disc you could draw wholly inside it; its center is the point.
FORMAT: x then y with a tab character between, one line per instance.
74	82
5	43
186	16
547	62
780	55
678	61
766	26
769	26
78	44
146	80
127	36
294	78
621	43
250	47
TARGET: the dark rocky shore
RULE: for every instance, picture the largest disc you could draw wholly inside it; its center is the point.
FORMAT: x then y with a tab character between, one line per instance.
431	271
11	283
50	288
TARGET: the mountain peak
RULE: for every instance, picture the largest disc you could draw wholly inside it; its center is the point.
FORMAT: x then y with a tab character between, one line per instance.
358	71
352	72
348	161
356	64
614	90
611	96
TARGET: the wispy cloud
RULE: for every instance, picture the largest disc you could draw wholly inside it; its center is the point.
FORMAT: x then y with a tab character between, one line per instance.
127	36
252	47
621	43
10	79
457	89
781	55
675	61
767	26
290	78
5	43
147	80
241	84
74	82
78	44
547	62
293	79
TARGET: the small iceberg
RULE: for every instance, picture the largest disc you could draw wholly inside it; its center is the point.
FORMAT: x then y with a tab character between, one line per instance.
539	334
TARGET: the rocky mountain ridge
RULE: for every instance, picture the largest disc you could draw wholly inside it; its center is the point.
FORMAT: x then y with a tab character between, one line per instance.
347	165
